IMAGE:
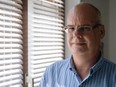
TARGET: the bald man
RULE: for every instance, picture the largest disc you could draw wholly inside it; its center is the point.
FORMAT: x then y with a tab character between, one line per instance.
86	67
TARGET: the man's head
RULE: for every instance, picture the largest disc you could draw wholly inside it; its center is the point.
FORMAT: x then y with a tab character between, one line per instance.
85	30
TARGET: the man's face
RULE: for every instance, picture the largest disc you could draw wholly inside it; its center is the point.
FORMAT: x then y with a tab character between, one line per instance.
84	43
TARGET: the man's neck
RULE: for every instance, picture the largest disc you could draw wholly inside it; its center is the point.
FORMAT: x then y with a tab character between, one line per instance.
84	63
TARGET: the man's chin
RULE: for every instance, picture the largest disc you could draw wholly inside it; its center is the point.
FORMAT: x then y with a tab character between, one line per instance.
78	50
79	46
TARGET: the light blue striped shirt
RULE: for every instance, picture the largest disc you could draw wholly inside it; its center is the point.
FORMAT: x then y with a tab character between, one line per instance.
63	74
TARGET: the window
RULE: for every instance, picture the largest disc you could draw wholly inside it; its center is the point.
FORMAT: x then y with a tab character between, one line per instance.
45	36
31	38
10	43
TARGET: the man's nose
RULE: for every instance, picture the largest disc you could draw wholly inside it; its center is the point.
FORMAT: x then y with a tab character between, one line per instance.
77	33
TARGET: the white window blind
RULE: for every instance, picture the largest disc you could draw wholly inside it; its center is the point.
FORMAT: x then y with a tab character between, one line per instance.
46	37
10	43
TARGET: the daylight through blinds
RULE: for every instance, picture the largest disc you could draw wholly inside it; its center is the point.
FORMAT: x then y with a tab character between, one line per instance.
46	43
11	43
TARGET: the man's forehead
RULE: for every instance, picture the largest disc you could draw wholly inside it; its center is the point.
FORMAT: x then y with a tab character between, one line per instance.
82	14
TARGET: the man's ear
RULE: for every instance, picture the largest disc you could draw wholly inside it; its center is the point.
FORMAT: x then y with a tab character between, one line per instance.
102	31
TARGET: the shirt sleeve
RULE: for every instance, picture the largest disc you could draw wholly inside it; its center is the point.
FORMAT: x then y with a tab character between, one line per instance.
47	77
41	83
43	80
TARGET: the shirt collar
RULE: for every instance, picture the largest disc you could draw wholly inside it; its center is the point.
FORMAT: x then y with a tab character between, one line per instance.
71	65
97	66
93	69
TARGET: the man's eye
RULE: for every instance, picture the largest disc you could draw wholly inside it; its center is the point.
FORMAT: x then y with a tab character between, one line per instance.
84	28
71	29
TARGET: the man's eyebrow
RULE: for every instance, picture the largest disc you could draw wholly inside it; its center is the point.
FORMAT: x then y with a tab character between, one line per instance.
79	25
85	25
70	25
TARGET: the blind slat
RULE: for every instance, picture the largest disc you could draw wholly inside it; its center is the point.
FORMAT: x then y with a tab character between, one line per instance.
13	56
10	19
13	81
47	52
47	48
52	3
6	67
59	1
46	13
46	45
18	61
46	22
49	9
11	35
48	31
39	74
11	46
12	3
15	76
47	18
19	1
48	56
43	61
7	7
16	30
47	26
49	39
44	6
7	40
11	43
10	72
9	13
6	23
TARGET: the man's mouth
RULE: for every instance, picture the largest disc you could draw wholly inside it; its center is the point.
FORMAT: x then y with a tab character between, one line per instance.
79	43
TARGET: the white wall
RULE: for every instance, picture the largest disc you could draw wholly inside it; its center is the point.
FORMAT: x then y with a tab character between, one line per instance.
107	8
112	30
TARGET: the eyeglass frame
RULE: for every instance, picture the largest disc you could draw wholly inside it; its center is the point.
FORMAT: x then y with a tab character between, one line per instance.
91	27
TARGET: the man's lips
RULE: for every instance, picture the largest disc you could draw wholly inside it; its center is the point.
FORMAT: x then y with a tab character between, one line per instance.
79	43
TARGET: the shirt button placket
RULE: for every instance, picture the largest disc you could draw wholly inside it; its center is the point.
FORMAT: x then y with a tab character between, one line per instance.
81	85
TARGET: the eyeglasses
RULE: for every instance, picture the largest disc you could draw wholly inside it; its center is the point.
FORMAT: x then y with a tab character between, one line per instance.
82	28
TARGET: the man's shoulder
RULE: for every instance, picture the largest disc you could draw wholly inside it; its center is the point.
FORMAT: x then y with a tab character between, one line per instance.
108	62
59	64
109	65
62	63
